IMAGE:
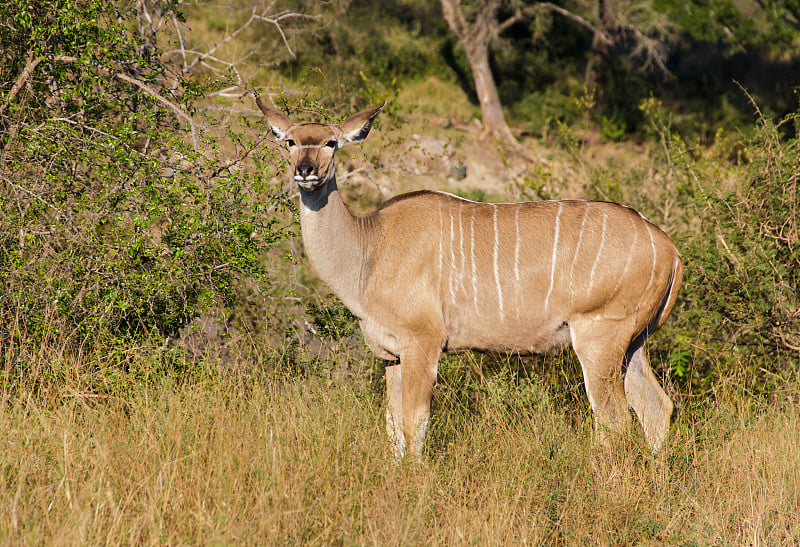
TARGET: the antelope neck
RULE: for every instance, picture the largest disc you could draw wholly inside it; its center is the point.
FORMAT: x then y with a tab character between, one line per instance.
336	242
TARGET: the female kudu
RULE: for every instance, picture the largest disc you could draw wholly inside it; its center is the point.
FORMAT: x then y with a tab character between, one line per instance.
431	272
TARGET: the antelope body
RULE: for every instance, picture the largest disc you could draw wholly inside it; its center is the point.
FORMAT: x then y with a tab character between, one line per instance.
431	272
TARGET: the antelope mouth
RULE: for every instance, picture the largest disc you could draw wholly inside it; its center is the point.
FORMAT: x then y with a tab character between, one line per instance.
311	182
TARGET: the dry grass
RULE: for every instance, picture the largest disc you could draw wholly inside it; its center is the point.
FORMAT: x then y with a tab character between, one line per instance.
256	458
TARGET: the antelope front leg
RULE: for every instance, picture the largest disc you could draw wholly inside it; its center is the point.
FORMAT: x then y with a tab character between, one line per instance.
419	364
394	409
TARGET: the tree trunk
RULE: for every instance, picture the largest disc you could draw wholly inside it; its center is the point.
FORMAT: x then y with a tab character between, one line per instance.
475	38
602	51
494	121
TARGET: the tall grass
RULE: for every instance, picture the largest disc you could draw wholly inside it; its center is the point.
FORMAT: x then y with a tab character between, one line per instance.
257	456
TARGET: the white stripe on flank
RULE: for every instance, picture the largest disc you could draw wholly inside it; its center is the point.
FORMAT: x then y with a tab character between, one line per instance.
441	236
496	268
653	270
599	252
452	259
472	257
553	263
517	288
516	246
578	248
630	257
461	247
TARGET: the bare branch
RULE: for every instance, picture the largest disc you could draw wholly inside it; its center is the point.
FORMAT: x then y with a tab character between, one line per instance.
147	89
32	194
180	40
451	9
264	15
570	15
30	66
153	93
517	17
213	50
276	21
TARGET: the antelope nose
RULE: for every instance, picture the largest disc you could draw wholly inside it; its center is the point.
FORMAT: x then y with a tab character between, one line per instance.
305	170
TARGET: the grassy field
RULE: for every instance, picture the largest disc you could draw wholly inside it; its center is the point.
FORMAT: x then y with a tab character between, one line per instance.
111	434
258	456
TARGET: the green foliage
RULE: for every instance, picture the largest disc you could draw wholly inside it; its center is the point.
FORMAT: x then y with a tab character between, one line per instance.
613	128
474	194
739	307
120	213
333	321
363	52
376	49
543	110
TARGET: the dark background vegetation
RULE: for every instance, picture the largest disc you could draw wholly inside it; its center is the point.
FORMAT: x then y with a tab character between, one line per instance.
122	223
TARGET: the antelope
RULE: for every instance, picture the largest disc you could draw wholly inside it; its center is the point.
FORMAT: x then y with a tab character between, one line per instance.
431	272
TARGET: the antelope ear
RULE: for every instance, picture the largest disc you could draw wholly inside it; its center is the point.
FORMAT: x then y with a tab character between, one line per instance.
356	127
278	121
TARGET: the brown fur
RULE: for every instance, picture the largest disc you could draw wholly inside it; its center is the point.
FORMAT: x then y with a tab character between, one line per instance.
432	272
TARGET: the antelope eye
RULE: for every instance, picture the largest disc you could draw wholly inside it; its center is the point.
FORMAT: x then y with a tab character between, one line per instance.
290	143
331	144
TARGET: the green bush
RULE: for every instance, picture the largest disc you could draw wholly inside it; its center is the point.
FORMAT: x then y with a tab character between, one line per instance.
739	309
120	213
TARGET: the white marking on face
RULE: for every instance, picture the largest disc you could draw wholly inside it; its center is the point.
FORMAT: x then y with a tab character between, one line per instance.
310	146
496	268
553	259
599	252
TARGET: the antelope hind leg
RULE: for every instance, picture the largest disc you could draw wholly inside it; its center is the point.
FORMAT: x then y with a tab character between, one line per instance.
652	406
601	362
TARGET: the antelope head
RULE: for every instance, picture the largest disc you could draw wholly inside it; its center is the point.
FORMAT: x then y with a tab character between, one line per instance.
312	146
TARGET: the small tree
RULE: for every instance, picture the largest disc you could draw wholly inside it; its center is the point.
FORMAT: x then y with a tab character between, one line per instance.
120	213
476	29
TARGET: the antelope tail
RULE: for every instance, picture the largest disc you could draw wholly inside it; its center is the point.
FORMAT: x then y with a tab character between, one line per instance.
660	316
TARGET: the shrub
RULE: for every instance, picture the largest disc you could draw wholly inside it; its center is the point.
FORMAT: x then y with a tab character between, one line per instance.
120	214
740	301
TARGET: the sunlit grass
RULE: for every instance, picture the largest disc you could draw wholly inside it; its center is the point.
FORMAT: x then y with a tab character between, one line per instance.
254	456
